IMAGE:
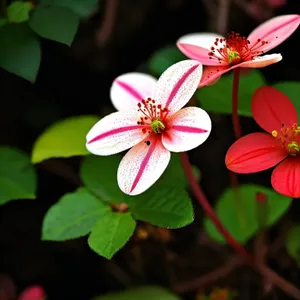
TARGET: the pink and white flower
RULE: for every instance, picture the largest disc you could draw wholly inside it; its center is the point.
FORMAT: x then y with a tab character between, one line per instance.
152	122
221	54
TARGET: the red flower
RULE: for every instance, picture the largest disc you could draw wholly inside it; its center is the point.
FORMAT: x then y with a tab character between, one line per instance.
274	112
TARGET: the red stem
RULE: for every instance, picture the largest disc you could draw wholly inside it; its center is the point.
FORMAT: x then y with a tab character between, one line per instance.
235	114
208	208
108	22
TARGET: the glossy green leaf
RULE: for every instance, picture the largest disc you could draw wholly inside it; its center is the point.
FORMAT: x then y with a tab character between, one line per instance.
141	293
292	90
73	216
218	98
82	8
18	11
55	23
292	243
17	175
65	138
241	218
166	206
20	51
111	232
164	58
99	175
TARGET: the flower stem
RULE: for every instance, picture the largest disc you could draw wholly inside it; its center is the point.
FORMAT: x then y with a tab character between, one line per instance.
267	273
235	114
208	208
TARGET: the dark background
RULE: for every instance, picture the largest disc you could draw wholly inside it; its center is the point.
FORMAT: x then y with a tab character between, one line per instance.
75	81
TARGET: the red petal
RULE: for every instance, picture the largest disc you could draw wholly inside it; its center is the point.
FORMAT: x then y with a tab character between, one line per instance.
286	177
34	292
253	153
271	108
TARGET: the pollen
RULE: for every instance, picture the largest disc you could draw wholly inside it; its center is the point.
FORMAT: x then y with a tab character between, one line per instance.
157	126
235	49
153	116
289	138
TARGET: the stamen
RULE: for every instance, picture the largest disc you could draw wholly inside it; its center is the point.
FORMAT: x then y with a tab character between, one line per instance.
235	49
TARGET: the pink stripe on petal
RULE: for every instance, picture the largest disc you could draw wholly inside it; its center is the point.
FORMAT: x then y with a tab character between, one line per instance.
144	163
189	129
113	132
179	83
130	90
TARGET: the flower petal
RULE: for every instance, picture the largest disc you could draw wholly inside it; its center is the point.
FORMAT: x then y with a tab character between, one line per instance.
261	61
114	133
177	84
202	39
253	153
286	177
211	75
274	31
34	292
142	165
187	129
198	45
271	108
130	88
200	54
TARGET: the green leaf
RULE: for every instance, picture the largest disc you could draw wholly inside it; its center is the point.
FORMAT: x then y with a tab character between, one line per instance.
218	98
99	175
20	51
111	232
65	138
169	207
73	216
82	8
138	293
55	23
293	243
18	11
164	58
292	90
174	174
241	218
17	175
3	21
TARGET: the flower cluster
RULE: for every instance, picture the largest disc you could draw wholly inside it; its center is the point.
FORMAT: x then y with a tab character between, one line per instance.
152	122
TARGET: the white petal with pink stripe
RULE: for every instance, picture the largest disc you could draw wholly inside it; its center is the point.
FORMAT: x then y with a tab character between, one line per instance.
130	88
177	84
187	129
142	166
114	133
